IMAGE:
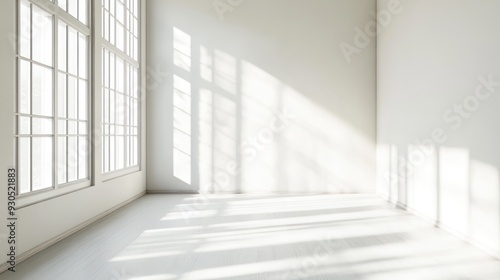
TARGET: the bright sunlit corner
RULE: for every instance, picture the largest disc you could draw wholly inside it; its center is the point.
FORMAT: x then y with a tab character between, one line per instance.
250	140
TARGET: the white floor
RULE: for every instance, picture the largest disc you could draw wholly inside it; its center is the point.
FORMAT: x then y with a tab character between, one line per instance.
331	237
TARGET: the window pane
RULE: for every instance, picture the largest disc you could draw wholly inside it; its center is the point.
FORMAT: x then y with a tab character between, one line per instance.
72	98
82	11
42	163
72	128
120	75
72	159
72	51
24	29
82	56
42	126
62	127
120	36
61	161
62	41
82	157
42	91
105	66
112	154
82	100
24	98
73	8
82	128
61	96
24	125
112	29
42	36
24	165
120	146
120	15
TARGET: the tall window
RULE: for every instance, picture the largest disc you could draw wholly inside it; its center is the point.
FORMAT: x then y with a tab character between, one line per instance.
120	30
53	94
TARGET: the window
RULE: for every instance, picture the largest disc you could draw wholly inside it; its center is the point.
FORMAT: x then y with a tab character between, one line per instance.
53	94
120	85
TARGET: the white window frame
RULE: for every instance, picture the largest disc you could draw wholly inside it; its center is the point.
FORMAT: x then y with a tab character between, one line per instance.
128	60
95	44
57	14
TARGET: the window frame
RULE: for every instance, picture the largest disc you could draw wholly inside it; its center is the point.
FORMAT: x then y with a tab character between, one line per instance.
128	61
95	45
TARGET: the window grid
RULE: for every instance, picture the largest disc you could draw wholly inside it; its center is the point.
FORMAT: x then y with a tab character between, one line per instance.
39	157
120	26
120	98
120	113
77	8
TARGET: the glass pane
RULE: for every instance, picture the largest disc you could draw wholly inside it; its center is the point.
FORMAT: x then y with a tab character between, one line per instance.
72	51
135	29
106	26
24	87
105	69
24	29
42	163
62	41
112	29
42	126
72	159
82	157
72	98
42	91
42	36
82	11
112	6
24	125
136	7
105	153
82	100
120	36
72	128
61	162
135	108
120	14
112	68
24	165
61	127
112	105
120	109
105	103
120	75
73	8
82	128
62	96
112	154
82	56
120	146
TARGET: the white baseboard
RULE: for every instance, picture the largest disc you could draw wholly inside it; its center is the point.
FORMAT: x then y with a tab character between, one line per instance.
60	237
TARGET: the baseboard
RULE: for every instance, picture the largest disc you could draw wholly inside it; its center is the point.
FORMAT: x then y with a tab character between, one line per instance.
170	192
451	231
62	236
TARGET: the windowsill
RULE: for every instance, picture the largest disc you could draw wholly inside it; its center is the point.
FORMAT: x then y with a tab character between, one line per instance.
29	199
120	173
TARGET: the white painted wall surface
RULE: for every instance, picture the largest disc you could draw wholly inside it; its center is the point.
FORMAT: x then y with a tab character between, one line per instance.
224	76
437	117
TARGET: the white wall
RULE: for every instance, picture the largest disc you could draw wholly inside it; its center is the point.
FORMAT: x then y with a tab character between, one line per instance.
445	166
43	222
211	120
